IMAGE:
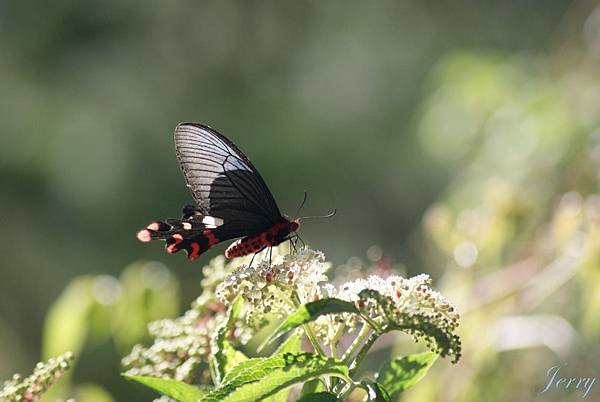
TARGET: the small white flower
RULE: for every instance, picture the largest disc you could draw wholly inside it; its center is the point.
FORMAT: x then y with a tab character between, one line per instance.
276	288
31	388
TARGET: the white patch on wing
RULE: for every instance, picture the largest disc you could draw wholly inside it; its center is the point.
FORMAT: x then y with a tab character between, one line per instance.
211	222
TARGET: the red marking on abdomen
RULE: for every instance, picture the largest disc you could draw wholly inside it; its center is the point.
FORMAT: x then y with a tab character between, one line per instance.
269	238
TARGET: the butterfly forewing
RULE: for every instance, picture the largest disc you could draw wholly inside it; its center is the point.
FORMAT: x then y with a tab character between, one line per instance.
233	199
223	181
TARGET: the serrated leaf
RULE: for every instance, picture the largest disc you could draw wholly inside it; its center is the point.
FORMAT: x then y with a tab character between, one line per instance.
177	390
402	373
310	312
291	345
318	397
375	391
262	377
244	366
233	357
223	355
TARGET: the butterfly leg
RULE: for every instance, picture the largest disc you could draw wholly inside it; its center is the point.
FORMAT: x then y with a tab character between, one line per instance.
292	241
301	241
252	259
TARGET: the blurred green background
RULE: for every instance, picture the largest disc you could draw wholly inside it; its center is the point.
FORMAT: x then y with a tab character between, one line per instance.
463	138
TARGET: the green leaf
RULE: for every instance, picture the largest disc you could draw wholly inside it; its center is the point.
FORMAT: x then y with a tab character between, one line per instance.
91	392
402	373
291	345
311	387
179	391
375	391
259	378
245	366
66	326
149	292
318	397
223	355
310	312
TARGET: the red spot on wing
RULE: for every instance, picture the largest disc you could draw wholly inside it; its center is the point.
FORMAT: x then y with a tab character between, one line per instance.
172	248
144	235
212	239
195	251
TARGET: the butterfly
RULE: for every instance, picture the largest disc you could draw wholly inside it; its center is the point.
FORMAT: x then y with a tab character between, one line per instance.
232	200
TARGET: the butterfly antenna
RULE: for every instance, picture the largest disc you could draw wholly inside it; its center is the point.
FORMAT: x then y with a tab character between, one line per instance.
302	204
329	215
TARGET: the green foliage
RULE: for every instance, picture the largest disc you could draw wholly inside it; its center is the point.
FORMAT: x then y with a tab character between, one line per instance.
66	324
291	345
309	312
177	390
402	373
93	309
312	387
223	356
148	292
262	377
318	397
375	392
377	305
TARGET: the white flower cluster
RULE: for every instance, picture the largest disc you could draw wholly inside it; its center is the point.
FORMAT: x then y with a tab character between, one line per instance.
180	348
277	288
392	303
411	296
405	304
31	388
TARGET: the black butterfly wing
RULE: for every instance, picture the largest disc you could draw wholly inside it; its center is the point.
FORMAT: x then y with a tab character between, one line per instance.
223	181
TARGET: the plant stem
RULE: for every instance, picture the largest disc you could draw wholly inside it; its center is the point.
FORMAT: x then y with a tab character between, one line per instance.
313	340
345	392
364	331
363	352
370	321
346	357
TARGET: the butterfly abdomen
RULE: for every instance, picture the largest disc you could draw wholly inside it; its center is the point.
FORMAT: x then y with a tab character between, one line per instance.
271	237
